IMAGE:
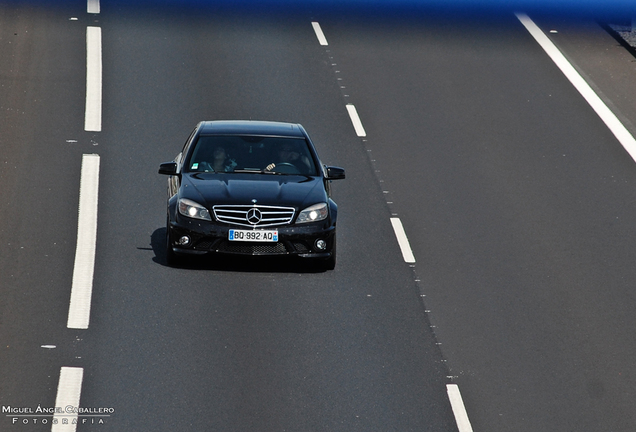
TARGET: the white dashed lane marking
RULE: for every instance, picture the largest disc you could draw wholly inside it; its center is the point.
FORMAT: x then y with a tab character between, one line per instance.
319	34
69	390
92	6
459	410
403	241
93	115
355	119
82	288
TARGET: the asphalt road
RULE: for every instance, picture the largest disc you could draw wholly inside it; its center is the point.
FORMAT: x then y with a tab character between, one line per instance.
515	197
518	202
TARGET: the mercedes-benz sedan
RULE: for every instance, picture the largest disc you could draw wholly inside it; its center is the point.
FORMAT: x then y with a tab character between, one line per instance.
250	188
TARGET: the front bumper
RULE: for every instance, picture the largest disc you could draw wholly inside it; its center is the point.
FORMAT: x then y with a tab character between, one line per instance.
212	237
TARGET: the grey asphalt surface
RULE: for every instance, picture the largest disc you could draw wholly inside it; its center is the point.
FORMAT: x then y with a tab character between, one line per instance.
516	199
519	207
41	106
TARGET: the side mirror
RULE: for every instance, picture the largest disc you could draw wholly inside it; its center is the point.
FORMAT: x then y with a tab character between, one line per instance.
168	168
335	173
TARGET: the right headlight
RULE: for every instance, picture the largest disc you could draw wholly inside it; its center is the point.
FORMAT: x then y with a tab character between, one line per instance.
314	213
192	209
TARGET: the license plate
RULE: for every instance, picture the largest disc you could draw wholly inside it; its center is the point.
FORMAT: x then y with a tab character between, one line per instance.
253	236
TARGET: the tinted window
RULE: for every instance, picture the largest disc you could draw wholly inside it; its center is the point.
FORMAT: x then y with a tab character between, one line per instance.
233	153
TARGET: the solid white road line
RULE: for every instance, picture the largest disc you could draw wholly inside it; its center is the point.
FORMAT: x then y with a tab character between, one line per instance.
355	119
92	6
93	115
82	289
403	241
610	119
319	34
457	404
69	390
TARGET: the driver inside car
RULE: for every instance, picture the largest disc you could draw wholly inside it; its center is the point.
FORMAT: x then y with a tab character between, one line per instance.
288	155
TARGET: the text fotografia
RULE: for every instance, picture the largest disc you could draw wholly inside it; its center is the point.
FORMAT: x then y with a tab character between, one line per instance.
57	415
57	420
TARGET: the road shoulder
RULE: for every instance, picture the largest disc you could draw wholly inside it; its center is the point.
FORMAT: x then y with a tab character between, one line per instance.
607	66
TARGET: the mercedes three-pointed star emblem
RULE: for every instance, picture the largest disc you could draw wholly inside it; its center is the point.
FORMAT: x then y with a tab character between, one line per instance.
253	216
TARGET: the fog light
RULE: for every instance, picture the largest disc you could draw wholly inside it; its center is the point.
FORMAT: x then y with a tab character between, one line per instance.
321	244
184	241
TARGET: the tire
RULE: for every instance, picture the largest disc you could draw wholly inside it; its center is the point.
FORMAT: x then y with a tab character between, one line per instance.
172	259
330	263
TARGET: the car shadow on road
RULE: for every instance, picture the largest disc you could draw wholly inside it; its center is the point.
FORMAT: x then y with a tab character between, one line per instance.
263	264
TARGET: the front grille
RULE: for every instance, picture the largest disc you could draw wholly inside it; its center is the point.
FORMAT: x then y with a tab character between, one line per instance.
253	215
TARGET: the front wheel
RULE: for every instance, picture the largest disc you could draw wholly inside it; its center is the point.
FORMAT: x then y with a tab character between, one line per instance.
172	259
330	263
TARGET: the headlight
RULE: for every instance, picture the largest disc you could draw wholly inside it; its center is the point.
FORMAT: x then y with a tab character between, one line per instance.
194	210
314	213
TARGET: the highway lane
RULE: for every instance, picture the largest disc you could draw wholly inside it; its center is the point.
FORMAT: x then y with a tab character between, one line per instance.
41	107
232	347
239	346
518	204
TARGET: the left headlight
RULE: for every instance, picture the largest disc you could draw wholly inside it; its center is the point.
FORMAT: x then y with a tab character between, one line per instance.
314	213
194	210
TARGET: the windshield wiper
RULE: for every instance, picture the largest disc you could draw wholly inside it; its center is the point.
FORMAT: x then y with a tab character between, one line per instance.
254	171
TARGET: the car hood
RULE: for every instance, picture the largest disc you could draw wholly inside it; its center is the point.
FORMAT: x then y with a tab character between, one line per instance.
240	189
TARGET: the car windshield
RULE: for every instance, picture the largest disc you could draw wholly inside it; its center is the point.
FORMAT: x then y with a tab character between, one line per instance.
268	155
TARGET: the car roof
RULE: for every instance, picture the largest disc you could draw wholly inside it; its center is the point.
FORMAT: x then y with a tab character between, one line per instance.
251	127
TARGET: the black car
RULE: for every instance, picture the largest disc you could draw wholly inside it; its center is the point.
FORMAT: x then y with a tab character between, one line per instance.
250	188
